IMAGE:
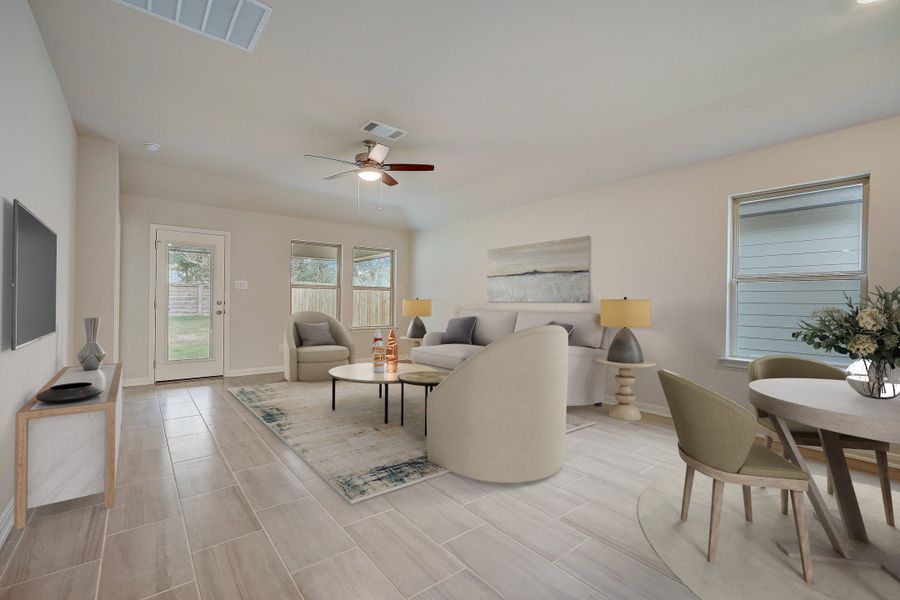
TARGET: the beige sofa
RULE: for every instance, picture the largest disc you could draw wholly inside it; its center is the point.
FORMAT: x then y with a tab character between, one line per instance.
313	363
586	378
501	416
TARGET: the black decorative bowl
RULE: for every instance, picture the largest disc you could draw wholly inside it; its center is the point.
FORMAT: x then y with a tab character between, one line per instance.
70	392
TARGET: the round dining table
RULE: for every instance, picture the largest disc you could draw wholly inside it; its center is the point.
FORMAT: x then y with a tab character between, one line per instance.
834	408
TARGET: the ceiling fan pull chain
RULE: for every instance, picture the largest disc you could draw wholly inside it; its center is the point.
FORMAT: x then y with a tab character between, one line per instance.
357	195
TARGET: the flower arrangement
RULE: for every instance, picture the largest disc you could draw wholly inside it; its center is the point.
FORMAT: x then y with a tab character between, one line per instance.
869	331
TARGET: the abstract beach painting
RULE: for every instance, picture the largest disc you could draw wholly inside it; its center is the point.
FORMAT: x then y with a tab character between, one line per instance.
558	271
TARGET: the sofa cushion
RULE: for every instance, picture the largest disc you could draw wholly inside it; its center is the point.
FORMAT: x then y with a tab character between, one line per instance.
319	354
459	331
315	334
492	325
587	332
445	356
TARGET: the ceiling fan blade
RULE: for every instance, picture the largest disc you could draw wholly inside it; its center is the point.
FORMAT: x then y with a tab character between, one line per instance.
336	175
408	167
387	179
378	153
340	160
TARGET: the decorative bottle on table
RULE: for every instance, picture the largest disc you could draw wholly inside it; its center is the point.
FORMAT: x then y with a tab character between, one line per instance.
392	355
92	354
378	353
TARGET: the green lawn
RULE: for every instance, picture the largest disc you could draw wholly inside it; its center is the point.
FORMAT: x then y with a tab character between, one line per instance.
188	337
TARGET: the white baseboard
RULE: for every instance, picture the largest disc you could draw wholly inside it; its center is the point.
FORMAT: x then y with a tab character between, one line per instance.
6	520
254	371
136	381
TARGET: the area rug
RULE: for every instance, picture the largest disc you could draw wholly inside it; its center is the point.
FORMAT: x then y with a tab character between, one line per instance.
352	448
749	564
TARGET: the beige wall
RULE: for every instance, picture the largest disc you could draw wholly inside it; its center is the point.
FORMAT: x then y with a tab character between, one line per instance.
260	255
37	166
97	243
664	237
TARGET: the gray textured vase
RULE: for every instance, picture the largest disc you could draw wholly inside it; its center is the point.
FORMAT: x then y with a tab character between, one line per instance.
92	354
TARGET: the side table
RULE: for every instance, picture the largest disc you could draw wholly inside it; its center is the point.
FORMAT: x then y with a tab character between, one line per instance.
625	410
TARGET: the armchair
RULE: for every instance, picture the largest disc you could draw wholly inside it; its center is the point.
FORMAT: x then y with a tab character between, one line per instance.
312	363
501	415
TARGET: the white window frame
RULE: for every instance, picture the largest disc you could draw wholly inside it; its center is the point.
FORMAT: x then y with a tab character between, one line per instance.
393	288
731	357
336	287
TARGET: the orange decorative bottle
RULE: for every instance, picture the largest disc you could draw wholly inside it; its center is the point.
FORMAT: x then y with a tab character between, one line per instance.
392	356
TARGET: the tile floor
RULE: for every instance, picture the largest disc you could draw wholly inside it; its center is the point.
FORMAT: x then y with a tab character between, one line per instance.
212	505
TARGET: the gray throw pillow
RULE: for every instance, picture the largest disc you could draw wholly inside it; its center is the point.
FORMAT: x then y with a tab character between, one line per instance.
567	326
315	334
459	330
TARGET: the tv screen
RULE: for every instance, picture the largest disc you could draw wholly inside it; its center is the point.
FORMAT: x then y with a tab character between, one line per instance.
34	277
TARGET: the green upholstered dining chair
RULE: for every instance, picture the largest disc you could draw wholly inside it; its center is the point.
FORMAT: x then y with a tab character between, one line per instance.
716	436
771	367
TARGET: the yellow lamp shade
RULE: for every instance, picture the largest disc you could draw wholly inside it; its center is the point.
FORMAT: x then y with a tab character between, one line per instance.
416	308
625	313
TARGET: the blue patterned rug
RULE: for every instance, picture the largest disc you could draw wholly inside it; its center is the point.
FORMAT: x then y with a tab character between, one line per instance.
351	448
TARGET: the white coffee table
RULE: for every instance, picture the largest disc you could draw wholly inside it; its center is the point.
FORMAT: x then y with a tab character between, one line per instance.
364	373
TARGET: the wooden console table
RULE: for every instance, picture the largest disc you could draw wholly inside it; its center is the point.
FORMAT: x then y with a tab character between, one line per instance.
66	451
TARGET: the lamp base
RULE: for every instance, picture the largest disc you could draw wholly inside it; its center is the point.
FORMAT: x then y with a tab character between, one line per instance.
416	329
625	348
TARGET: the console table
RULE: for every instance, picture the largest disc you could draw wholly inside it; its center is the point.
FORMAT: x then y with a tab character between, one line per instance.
66	451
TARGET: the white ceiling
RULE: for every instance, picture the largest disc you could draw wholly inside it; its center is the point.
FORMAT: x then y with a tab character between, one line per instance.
513	100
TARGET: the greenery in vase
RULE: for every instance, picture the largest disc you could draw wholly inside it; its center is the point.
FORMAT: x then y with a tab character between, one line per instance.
869	331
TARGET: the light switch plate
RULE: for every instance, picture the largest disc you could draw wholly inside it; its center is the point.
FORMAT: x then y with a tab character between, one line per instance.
240	284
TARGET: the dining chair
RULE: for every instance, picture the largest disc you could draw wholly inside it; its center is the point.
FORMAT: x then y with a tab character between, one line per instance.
771	367
716	437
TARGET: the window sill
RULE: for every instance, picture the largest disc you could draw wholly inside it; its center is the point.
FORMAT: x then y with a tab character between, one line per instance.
733	362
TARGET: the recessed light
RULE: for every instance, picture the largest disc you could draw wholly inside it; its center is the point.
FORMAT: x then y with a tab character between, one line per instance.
151	146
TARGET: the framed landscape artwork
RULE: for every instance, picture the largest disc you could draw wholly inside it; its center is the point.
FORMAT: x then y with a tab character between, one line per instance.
558	271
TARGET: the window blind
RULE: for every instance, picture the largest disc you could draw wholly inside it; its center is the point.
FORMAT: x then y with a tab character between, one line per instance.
794	253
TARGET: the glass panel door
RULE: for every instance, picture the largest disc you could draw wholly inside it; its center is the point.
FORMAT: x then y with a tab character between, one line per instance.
190	308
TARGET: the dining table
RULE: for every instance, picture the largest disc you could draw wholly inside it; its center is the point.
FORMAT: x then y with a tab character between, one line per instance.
833	408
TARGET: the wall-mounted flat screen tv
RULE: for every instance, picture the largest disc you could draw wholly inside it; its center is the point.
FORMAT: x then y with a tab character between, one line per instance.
34	277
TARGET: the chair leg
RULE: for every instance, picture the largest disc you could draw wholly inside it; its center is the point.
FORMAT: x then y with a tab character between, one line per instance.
784	501
799	504
715	516
748	504
884	477
769	441
686	496
829	482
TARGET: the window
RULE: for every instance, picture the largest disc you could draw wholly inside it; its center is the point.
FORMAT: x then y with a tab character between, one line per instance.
794	250
373	287
316	277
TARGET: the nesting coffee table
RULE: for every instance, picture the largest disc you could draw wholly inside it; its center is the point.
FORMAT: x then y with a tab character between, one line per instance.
364	373
426	379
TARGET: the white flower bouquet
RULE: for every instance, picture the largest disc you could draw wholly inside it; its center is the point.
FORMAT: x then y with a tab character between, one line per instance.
869	331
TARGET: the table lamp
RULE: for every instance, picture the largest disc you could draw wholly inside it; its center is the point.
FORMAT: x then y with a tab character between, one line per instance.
416	308
625	313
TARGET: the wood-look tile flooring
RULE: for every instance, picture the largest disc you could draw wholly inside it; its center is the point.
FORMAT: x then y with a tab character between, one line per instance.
212	505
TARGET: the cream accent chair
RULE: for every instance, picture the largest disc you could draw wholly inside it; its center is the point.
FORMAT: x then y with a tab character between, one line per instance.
501	415
313	363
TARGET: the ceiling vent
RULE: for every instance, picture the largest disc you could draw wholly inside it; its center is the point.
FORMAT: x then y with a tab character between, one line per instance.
381	130
235	22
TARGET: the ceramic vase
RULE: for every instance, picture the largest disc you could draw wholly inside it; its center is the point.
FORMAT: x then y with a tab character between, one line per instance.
92	354
392	354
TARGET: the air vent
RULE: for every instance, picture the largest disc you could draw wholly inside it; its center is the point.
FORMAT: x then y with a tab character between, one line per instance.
387	132
235	22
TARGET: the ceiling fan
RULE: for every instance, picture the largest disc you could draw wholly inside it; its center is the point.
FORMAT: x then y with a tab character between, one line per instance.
370	165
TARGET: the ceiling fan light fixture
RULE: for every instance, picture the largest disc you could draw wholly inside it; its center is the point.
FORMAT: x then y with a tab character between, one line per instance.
369	174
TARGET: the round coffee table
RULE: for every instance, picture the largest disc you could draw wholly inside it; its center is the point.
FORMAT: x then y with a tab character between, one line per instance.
421	378
364	373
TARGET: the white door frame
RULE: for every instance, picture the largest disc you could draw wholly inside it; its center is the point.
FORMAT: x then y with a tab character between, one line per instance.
151	323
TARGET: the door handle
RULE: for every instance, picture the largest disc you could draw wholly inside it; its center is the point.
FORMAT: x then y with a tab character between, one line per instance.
218	303
219	312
